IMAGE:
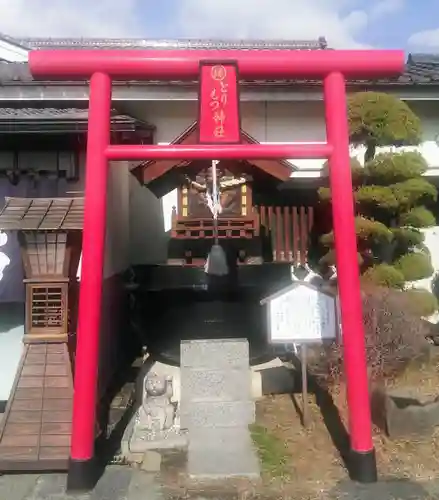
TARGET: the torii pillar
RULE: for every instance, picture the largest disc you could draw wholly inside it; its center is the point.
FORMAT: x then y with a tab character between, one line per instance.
103	66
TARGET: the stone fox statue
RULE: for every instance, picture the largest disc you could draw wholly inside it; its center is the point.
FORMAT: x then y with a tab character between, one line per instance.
157	412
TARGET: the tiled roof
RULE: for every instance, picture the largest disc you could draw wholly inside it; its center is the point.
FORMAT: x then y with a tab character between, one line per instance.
44	214
71	114
184	44
424	68
67	120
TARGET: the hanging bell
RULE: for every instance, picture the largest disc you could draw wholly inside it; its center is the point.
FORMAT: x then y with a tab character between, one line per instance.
216	264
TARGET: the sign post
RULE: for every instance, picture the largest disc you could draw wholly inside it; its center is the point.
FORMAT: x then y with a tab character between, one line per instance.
302	314
304	363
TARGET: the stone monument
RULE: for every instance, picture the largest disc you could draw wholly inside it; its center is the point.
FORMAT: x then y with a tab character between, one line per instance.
217	407
155	425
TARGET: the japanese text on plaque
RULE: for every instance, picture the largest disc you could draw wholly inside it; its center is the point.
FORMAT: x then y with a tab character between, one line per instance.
218	100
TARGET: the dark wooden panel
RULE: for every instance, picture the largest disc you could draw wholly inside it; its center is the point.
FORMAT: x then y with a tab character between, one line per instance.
58	440
55	349
14	453
58	404
56	370
57	416
55	393
27	404
56	428
33	371
54	453
20	441
30	382
24	416
36	393
57	382
24	429
36	429
36	359
54	359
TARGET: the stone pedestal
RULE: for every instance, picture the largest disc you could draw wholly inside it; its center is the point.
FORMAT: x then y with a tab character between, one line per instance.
217	408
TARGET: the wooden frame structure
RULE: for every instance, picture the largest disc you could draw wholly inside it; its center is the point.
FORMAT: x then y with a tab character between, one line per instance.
36	429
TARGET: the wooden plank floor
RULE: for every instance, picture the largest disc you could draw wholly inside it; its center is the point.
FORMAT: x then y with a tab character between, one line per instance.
36	428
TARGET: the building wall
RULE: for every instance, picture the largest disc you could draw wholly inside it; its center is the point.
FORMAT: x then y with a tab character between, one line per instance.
266	122
113	320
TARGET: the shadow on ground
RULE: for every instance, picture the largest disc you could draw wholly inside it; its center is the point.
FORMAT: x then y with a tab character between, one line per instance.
330	414
386	489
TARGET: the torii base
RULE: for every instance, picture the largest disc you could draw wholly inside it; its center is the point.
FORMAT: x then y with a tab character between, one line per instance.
82	475
363	466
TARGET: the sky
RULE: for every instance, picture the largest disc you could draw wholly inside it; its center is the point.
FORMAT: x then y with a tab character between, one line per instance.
406	24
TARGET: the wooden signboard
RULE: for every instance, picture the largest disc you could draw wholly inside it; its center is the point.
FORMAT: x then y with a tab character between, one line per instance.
301	314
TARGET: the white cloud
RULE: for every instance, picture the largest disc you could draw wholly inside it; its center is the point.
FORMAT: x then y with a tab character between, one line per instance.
427	40
386	7
293	19
69	18
338	20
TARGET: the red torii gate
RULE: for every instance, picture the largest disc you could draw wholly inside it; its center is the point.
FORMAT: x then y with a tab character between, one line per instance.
103	66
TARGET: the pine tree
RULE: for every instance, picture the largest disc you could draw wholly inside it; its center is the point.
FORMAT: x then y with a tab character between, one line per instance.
391	197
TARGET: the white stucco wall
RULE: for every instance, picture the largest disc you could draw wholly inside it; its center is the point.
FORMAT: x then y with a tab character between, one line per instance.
117	236
118	219
266	122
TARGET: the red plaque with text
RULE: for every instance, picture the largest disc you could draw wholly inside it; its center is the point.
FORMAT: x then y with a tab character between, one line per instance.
219	118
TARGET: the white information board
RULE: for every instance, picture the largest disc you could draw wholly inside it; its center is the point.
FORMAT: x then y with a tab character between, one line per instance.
301	314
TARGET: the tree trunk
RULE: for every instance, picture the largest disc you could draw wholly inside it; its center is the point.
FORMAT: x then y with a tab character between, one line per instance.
370	151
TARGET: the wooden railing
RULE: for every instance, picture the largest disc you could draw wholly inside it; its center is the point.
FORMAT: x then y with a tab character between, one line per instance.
289	229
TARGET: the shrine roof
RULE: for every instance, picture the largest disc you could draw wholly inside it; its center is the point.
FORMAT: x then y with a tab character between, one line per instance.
61	119
168	44
161	176
421	69
42	214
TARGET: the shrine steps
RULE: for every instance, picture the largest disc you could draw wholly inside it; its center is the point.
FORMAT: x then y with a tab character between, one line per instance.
217	407
35	431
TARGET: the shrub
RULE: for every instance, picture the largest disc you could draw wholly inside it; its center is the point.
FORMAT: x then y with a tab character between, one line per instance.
329	259
382	119
366	229
324	194
384	275
376	196
415	266
390	168
394	338
413	191
418	217
420	302
406	238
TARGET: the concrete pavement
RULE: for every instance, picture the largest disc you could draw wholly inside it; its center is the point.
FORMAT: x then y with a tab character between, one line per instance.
124	483
117	483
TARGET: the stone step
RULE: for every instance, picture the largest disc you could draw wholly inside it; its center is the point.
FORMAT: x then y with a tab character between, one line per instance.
215	353
217	414
199	385
220	437
223	463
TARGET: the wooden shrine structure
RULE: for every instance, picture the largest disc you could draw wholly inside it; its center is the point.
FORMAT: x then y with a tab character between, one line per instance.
239	223
36	429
